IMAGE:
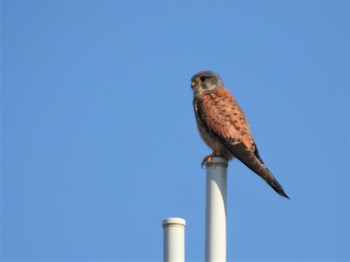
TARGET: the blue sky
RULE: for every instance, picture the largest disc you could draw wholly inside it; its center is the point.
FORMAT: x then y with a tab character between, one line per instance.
99	142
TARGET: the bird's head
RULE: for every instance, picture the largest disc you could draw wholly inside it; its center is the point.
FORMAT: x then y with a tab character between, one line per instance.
204	81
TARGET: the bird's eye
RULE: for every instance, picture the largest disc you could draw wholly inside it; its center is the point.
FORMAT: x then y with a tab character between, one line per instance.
203	78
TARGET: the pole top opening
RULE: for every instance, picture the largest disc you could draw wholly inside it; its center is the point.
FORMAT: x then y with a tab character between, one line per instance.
217	161
174	221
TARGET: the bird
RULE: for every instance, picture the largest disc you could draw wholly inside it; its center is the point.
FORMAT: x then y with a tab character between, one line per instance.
224	128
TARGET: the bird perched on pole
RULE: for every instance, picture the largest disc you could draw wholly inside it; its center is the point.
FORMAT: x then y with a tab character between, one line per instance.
224	127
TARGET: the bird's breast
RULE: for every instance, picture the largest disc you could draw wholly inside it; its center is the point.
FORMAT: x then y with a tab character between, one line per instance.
211	139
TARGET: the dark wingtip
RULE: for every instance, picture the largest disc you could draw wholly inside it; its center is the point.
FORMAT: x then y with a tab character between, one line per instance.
283	194
276	186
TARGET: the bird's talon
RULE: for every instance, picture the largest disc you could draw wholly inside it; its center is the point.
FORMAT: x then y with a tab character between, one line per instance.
204	162
208	159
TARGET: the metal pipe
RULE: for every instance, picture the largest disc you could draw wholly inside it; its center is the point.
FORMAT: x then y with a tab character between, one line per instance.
215	237
174	239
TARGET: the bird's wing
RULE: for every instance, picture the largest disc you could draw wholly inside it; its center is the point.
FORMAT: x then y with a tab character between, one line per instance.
224	119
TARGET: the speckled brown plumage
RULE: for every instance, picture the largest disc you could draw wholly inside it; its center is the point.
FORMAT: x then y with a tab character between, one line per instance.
224	127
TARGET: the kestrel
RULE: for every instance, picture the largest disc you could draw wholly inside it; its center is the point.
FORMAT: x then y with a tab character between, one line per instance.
224	127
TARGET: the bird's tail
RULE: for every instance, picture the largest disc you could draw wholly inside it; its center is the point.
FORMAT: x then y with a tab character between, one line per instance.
254	162
271	180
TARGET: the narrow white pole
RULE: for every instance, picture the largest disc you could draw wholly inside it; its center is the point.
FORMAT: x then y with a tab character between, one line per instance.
174	239
215	237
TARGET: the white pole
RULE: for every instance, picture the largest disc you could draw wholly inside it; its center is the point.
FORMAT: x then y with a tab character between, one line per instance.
174	239
215	237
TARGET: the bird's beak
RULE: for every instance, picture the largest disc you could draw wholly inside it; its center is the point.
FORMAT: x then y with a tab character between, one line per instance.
194	82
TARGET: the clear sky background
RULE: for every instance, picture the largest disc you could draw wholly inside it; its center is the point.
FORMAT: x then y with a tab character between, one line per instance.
99	141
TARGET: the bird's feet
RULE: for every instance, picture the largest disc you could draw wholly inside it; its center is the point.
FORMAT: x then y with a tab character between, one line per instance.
210	158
